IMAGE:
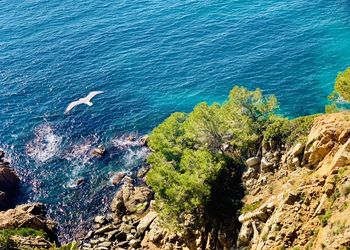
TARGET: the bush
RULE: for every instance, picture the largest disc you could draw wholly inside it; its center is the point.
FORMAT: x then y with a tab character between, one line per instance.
6	234
289	132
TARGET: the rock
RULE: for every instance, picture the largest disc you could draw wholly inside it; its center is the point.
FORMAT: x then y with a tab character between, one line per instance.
111	235
125	228
105	244
143	140
143	171
117	178
145	222
344	136
89	235
2	155
130	200
251	162
9	181
105	229
329	189
29	215
245	234
99	151
291	198
265	165
100	219
134	243
297	150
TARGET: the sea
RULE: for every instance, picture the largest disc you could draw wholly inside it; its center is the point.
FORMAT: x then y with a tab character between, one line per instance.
150	58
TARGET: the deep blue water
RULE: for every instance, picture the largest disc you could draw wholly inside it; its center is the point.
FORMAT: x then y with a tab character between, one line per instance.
151	58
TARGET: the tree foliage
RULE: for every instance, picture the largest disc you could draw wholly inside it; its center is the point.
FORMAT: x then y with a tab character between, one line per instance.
342	84
190	150
340	97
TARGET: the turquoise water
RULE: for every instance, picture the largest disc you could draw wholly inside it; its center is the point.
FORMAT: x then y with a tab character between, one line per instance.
151	58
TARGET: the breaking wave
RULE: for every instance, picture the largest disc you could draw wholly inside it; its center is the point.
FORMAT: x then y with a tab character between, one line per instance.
45	145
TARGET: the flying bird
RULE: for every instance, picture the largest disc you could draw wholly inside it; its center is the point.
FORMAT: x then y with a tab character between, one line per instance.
86	100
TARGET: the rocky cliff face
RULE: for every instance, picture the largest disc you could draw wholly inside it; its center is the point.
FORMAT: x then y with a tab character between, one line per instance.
296	198
9	183
299	198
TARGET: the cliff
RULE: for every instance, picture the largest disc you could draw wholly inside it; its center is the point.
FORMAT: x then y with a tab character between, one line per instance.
296	197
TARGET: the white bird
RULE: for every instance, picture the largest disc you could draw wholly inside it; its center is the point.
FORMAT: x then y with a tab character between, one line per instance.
86	100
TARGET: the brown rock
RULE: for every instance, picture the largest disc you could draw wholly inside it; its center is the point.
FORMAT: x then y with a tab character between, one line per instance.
28	215
117	178
9	181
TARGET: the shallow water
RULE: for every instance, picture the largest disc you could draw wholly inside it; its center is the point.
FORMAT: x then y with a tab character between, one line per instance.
151	58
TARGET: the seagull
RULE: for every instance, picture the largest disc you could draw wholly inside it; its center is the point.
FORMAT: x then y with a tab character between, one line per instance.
86	100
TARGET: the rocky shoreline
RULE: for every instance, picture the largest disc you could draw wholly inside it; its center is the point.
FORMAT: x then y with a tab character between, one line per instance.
9	184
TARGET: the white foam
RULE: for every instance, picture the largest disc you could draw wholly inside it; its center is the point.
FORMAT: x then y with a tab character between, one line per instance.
126	141
133	157
45	145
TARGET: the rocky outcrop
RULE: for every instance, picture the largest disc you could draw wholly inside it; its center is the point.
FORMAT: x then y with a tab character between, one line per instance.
9	184
301	200
133	224
28	216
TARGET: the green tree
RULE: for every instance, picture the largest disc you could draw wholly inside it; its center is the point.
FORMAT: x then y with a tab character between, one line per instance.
189	153
342	84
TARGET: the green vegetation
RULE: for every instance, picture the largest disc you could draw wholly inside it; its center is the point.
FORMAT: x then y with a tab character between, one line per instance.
289	132
325	217
69	246
342	84
250	207
191	150
6	234
341	92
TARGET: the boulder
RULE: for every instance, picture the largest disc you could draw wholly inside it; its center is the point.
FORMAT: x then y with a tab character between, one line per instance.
117	178
28	215
265	165
136	199
143	140
297	150
99	151
145	222
253	161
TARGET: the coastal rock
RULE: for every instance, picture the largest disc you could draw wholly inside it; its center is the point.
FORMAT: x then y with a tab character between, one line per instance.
9	184
131	199
99	151
146	221
143	140
9	181
30	216
117	178
251	162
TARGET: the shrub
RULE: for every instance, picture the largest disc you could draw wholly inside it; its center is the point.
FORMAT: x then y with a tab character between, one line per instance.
289	131
324	218
6	234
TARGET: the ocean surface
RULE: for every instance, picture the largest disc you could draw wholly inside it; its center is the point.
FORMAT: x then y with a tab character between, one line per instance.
150	58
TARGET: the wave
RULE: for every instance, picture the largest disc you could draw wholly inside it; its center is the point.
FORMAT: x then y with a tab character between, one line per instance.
45	145
127	140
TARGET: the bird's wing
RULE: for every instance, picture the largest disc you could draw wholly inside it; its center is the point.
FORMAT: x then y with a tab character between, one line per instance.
92	94
72	105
